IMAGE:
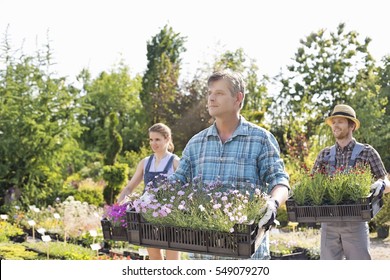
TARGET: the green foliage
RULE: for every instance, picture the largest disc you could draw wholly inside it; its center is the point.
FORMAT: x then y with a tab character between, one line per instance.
63	251
91	196
114	140
343	186
117	92
326	71
256	101
382	218
316	189
372	104
116	178
200	206
281	215
10	251
160	81
191	112
301	189
282	243
8	230
132	158
38	124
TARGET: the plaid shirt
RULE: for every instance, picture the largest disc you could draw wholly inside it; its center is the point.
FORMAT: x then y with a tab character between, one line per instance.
368	156
250	155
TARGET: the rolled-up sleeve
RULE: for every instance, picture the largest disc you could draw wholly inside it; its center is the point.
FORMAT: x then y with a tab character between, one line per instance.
270	164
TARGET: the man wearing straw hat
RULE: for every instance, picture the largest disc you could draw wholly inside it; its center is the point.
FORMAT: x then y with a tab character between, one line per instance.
348	239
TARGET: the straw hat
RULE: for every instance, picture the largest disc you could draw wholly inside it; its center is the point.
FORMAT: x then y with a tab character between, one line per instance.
343	111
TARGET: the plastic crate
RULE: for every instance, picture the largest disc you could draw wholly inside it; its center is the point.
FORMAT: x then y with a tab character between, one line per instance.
363	210
116	233
242	243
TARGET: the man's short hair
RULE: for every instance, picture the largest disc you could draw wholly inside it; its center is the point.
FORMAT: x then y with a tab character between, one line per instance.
235	80
351	123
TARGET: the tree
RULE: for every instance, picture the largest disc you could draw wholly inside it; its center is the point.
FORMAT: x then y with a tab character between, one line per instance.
160	81
371	103
38	124
113	140
256	101
326	69
116	177
117	92
191	111
190	105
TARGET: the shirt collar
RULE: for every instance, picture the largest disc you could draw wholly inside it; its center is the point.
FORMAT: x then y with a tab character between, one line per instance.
349	147
242	128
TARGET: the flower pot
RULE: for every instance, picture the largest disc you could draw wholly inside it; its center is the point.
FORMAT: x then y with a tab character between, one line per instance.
382	231
113	232
19	238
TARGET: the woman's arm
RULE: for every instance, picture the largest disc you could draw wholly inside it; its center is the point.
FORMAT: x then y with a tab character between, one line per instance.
176	161
133	183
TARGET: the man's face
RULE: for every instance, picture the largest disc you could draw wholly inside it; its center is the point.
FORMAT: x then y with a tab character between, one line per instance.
341	128
220	101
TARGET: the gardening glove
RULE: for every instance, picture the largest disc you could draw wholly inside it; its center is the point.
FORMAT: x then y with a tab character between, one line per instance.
270	214
378	187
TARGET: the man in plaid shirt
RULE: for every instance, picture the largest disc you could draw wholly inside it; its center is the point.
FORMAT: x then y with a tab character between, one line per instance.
348	239
235	151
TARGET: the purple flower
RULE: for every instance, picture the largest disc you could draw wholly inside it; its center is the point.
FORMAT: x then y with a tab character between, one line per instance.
116	214
180	193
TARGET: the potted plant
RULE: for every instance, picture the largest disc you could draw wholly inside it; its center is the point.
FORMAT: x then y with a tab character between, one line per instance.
343	196
114	222
382	219
209	218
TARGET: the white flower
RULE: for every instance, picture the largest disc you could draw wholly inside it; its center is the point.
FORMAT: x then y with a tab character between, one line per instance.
201	208
217	206
147	197
181	207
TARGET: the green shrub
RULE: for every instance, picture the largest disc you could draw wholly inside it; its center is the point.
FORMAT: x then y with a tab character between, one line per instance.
94	197
116	178
281	215
344	186
8	230
60	250
12	251
382	218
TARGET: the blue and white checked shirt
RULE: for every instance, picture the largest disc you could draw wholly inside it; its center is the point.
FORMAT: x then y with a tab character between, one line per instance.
251	155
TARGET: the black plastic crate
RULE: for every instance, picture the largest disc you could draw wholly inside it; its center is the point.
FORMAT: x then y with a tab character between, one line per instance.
242	243
363	210
116	233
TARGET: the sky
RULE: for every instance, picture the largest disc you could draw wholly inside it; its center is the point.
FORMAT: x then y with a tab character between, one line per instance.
98	34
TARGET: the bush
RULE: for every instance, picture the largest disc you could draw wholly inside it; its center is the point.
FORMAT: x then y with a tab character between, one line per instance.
16	252
93	197
382	218
8	230
343	186
116	178
63	251
90	191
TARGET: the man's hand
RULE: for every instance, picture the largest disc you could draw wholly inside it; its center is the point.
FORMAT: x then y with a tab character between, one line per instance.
270	214
378	187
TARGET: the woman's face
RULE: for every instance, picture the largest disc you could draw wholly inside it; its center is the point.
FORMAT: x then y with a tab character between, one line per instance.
158	142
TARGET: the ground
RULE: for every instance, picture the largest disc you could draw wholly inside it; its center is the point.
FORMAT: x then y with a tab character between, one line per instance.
380	248
310	238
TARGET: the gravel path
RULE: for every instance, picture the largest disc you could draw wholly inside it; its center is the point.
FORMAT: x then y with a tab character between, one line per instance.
380	249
